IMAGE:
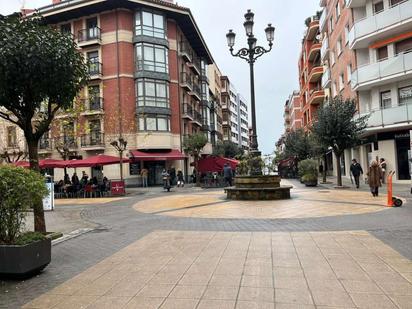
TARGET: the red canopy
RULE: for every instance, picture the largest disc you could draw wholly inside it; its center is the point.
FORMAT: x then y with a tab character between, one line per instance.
170	155
46	163
216	164
98	160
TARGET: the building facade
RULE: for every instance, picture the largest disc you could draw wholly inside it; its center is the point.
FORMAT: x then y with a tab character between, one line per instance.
235	115
148	66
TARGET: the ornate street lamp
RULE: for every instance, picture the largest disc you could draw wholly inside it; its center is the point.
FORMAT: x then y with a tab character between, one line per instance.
250	54
120	145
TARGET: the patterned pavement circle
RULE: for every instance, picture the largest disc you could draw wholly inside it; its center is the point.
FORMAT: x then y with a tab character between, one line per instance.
304	204
208	270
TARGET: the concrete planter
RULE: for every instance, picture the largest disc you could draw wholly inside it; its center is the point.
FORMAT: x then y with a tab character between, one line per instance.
24	261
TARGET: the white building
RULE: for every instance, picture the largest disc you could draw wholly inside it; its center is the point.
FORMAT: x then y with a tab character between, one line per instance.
381	38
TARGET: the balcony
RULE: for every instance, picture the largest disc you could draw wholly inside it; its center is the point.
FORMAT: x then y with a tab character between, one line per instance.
203	76
197	118
90	36
396	116
95	69
187	111
69	142
392	21
195	93
45	144
326	80
393	69
315	73
314	51
322	20
92	141
317	96
312	28
186	81
324	50
195	65
185	51
93	106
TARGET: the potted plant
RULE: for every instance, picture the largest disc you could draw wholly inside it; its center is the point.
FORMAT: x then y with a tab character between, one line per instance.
308	172
21	253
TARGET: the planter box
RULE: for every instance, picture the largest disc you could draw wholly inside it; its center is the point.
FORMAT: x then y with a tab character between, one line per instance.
24	261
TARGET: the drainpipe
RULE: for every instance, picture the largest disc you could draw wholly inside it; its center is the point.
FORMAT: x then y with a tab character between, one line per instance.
119	106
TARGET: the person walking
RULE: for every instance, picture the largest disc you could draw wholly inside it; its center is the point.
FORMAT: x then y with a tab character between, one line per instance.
228	174
172	176
382	164
356	170
374	178
144	173
166	180
180	179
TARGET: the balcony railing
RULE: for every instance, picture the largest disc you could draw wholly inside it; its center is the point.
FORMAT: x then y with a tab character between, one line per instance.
94	104
91	34
45	144
326	81
196	90
186	80
397	67
396	115
67	141
94	139
197	117
187	110
378	23
95	67
322	20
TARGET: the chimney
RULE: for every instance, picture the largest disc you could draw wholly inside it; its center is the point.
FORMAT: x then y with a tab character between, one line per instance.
56	1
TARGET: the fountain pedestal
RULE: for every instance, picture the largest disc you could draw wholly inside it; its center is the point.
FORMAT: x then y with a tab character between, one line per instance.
258	188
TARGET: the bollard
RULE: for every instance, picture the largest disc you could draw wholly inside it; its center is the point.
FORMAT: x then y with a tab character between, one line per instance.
389	180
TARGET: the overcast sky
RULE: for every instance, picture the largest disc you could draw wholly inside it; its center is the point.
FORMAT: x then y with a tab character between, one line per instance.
276	73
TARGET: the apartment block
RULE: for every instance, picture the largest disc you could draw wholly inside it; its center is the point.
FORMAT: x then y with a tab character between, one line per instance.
235	115
310	72
149	84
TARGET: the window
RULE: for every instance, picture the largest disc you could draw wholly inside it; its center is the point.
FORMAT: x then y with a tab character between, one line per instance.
341	82
331	24
404	46
95	132
382	53
337	10
154	123
92	29
152	57
339	47
386	100
11	137
152	92
69	139
349	72
378	7
333	89
346	34
94	63
66	28
94	97
332	57
395	2
150	24
405	95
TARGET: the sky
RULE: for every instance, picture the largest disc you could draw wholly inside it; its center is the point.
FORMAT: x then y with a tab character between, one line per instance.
276	73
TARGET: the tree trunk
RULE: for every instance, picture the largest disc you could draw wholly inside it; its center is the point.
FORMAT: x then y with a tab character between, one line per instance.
338	170
196	157
39	221
324	167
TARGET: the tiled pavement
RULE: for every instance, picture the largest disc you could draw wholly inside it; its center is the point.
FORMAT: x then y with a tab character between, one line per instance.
120	226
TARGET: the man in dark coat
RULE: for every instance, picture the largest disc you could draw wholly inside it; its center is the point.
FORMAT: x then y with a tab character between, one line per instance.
228	174
356	170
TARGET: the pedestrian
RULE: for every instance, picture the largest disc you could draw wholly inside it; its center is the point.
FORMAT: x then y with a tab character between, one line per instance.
166	180
374	178
382	164
356	170
85	178
194	176
75	180
228	174
172	176
144	173
180	179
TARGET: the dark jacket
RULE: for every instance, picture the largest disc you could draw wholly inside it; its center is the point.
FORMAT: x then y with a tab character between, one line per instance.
227	172
356	169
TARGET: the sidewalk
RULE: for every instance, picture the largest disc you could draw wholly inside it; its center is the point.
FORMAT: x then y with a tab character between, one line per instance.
400	190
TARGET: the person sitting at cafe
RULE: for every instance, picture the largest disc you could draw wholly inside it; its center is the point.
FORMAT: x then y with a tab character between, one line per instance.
85	178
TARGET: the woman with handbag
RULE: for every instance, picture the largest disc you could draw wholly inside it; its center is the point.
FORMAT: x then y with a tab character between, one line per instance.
374	178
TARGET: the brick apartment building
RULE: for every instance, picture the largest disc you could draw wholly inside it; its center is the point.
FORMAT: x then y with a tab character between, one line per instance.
150	84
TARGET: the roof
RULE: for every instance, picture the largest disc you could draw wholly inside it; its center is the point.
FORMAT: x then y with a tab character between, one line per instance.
72	9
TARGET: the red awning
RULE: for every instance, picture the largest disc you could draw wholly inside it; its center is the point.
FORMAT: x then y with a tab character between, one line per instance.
46	163
98	160
171	155
216	164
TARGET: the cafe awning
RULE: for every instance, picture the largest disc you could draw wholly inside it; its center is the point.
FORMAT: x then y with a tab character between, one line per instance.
170	155
215	164
98	160
45	163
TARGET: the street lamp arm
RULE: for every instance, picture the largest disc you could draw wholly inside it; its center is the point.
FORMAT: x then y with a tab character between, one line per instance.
259	51
242	53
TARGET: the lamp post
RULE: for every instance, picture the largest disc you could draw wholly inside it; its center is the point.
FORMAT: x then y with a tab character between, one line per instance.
120	145
251	54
